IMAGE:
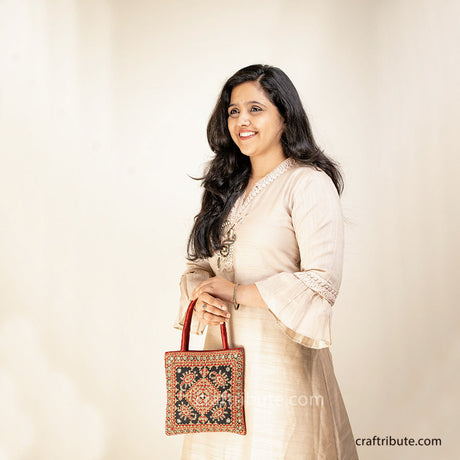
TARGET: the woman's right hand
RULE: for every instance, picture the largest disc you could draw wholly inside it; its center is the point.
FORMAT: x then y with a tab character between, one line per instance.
215	311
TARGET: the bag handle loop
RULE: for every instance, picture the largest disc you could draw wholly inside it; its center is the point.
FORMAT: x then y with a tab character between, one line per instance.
186	329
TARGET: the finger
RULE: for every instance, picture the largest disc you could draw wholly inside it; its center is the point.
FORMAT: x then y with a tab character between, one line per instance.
217	313
211	300
203	287
214	314
210	319
213	320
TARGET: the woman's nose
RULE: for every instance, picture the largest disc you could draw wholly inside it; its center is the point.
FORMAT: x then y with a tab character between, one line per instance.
243	119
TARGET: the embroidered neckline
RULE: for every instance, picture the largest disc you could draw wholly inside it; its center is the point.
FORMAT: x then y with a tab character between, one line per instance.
225	258
240	205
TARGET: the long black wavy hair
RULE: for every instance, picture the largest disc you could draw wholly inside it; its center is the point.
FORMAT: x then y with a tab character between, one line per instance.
228	173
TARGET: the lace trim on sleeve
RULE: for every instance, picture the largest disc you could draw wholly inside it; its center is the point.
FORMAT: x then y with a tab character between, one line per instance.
319	285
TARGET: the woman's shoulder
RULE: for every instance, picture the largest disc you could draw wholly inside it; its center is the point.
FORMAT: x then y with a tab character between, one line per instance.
303	176
309	187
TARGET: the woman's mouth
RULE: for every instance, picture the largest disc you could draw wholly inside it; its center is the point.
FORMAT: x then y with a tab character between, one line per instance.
243	135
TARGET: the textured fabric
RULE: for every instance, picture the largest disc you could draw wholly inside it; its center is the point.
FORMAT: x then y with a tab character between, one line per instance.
290	244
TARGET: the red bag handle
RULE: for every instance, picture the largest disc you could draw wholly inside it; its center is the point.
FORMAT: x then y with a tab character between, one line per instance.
186	329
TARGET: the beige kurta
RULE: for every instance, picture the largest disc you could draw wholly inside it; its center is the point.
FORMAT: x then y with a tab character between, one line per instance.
290	244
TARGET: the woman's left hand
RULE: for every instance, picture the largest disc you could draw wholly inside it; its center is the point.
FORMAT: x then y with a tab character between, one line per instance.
216	286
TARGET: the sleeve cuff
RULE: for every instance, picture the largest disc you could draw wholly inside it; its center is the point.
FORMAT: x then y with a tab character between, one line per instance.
303	314
188	282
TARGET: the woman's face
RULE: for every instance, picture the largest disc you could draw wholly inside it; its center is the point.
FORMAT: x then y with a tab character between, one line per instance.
253	121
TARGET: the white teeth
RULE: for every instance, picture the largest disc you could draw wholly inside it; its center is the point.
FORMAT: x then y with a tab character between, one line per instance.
247	134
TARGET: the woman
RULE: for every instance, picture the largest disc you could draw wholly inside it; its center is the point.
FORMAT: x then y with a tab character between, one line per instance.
269	238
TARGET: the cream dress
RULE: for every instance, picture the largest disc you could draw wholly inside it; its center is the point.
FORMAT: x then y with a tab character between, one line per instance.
290	244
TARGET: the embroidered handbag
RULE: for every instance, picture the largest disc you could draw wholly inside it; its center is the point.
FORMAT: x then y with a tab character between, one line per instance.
204	388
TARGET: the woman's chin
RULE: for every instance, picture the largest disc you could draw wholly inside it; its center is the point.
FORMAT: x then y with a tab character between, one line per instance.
248	152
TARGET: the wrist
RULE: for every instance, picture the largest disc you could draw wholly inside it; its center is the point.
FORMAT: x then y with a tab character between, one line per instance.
243	294
237	287
249	295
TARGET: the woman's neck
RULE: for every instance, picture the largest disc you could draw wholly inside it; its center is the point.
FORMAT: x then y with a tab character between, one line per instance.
261	166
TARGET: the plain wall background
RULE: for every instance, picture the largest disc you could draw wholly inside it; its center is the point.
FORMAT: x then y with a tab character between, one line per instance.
104	106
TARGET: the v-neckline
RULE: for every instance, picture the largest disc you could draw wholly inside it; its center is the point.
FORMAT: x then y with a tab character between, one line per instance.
286	163
247	193
239	211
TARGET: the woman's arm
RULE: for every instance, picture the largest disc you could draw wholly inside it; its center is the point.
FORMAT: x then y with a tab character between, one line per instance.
223	289
196	272
250	295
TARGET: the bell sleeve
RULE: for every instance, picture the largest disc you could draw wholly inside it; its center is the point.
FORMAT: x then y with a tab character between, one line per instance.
196	272
301	302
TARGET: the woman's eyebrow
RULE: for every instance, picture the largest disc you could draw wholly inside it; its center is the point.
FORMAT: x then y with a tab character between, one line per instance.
249	102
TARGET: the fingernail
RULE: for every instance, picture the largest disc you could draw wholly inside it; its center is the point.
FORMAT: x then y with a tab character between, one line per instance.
228	315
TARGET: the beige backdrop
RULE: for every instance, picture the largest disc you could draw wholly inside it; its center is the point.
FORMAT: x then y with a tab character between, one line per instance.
104	107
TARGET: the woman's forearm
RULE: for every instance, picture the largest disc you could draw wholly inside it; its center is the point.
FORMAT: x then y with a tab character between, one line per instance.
249	295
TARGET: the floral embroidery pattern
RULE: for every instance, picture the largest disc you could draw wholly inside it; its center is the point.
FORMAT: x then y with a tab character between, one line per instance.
221	412
185	412
205	391
220	378
188	379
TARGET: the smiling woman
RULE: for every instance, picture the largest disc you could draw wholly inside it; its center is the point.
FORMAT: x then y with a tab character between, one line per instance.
255	123
269	242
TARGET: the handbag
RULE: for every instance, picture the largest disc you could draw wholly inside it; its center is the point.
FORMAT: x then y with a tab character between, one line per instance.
204	388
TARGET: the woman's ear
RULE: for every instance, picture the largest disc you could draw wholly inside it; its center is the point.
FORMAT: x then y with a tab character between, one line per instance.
283	124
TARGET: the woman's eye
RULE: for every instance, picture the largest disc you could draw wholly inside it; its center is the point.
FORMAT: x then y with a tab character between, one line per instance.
232	112
256	109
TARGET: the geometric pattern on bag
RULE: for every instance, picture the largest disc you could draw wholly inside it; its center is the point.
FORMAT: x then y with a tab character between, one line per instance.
205	389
